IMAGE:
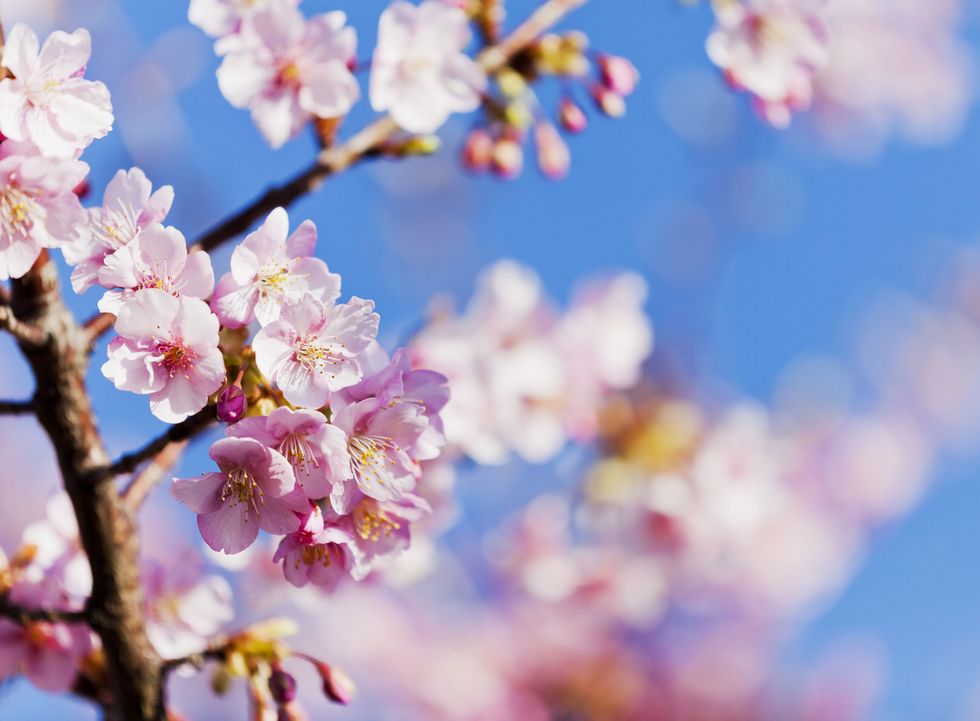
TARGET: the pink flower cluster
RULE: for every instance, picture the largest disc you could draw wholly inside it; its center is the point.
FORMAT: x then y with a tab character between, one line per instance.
525	377
287	69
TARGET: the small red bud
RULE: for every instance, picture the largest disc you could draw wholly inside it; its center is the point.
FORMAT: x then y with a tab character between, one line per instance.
571	116
553	156
478	150
231	404
609	102
282	686
618	74
337	685
508	157
82	189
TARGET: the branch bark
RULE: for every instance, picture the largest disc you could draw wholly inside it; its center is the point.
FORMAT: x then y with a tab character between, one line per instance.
16	408
23	615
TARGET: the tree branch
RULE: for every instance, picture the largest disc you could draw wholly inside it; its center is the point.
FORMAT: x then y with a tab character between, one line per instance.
23	615
146	480
23	333
16	408
363	144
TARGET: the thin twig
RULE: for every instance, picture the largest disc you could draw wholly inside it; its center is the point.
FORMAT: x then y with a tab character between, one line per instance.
361	145
146	480
178	433
23	615
16	408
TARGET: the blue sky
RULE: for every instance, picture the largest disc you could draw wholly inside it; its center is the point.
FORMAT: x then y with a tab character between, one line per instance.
759	248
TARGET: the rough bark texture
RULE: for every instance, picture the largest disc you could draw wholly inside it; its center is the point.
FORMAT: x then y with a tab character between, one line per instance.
105	523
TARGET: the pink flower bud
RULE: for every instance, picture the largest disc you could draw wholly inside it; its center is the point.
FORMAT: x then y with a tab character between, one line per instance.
508	157
571	116
609	103
282	686
83	189
337	685
231	404
618	74
553	156
478	150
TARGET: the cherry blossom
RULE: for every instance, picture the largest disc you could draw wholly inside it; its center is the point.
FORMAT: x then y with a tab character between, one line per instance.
317	450
219	18
269	269
168	349
287	69
771	48
47	101
48	654
419	72
314	349
379	528
157	258
37	206
323	556
255	489
128	205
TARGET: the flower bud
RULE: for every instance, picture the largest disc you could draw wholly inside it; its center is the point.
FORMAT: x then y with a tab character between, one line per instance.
618	74
231	404
337	685
282	686
609	102
553	156
508	157
571	116
478	150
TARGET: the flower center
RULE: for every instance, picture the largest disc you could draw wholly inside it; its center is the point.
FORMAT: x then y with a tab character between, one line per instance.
176	357
372	523
368	456
242	488
116	226
288	74
18	209
317	553
298	452
313	354
275	279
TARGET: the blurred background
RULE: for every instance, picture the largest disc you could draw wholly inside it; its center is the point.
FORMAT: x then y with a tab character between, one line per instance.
824	271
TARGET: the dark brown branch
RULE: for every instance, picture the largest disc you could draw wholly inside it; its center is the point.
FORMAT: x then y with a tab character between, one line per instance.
106	528
16	408
182	431
23	333
146	480
23	615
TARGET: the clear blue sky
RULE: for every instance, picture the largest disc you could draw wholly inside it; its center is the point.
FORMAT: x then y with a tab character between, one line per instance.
811	243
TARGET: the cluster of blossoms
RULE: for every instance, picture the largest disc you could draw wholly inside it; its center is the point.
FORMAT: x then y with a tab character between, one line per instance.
49	113
514	110
288	70
526	377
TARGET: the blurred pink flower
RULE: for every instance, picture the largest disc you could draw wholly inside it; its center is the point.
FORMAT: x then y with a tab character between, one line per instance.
219	18
47	102
419	72
269	269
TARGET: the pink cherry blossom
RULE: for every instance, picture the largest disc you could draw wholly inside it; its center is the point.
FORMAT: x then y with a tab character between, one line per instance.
157	258
315	554
255	489
772	49
419	72
286	70
269	269
168	349
184	607
47	101
219	18
380	439
380	529
314	349
48	654
128	205
316	449
37	206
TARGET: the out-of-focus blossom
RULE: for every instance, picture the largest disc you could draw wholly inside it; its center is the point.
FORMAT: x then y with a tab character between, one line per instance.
893	67
219	18
269	269
314	349
772	49
419	72
184	607
37	206
157	258
168	349
48	654
128	206
525	378
47	102
287	69
255	489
